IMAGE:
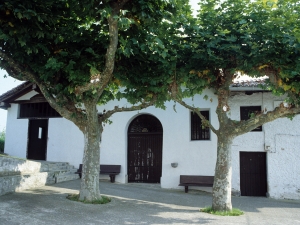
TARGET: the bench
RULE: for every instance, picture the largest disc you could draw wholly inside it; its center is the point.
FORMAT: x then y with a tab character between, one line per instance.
193	180
111	170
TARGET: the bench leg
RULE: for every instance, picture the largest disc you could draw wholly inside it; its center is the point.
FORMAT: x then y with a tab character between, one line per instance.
186	188
112	178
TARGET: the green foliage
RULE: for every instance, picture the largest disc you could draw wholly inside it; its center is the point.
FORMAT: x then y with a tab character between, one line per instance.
251	37
2	141
70	39
150	56
103	200
233	212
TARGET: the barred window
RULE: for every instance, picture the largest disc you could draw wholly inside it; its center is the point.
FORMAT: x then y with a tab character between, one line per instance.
198	131
37	110
246	112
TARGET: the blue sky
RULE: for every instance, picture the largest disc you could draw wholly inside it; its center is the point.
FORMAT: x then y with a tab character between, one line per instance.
8	83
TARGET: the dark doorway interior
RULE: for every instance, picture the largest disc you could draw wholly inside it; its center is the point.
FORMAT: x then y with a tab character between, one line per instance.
37	139
145	136
253	173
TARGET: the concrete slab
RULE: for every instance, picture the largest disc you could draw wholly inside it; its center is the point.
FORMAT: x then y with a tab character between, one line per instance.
136	204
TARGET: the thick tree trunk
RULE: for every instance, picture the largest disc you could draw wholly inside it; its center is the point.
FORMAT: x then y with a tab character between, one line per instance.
222	183
89	190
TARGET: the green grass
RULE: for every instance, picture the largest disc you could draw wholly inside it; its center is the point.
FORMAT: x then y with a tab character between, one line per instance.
75	197
2	140
233	212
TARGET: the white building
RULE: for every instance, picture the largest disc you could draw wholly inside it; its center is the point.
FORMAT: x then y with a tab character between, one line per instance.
146	142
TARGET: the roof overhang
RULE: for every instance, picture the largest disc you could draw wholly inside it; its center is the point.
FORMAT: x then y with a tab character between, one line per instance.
15	93
243	89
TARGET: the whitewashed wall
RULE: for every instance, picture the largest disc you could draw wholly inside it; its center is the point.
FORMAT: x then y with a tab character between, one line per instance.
16	133
193	157
283	154
65	142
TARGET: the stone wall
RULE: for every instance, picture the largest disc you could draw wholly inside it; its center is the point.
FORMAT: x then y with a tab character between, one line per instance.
19	174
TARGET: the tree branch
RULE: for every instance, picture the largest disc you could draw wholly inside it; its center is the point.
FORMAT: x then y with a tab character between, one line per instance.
16	68
197	111
102	79
13	69
123	109
279	112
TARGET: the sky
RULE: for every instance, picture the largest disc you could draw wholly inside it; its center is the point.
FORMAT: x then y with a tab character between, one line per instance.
6	84
9	83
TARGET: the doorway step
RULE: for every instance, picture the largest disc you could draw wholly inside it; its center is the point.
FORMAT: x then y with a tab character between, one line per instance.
20	174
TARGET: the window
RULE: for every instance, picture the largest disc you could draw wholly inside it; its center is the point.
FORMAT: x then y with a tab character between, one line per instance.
198	132
246	112
37	110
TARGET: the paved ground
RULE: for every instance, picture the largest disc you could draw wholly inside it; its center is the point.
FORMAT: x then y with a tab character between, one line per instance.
137	204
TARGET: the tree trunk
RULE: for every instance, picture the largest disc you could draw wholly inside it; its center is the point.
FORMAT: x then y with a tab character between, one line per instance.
222	182
89	190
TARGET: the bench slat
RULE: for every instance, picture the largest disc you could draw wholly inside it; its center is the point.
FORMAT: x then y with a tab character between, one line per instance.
111	170
195	180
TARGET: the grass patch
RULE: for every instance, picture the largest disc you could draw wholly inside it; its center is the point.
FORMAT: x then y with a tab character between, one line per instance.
2	141
233	212
75	197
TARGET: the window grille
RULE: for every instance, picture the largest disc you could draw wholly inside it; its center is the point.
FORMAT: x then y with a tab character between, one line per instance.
198	131
37	110
246	112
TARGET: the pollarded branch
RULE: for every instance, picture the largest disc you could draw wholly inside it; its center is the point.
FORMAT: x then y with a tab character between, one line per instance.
197	111
143	105
260	119
101	80
15	70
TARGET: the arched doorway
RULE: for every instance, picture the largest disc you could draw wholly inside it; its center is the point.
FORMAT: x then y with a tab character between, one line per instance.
145	136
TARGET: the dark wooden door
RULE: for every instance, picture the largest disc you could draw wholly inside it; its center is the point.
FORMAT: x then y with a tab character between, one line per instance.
37	139
145	150
253	174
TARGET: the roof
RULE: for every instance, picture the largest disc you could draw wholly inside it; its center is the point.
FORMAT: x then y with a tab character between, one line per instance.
240	83
247	83
14	93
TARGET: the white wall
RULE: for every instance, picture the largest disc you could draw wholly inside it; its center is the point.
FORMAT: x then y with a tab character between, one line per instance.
283	158
16	133
17	130
65	142
193	157
283	138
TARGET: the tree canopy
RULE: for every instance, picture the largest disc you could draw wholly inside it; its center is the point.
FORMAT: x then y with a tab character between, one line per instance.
256	38
232	38
69	48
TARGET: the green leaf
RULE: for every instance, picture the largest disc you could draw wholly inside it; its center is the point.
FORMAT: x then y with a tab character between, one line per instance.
159	42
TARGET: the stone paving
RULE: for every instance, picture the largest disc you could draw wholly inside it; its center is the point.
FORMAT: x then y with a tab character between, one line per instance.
136	204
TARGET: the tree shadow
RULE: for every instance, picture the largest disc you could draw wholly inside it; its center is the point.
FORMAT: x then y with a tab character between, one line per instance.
137	204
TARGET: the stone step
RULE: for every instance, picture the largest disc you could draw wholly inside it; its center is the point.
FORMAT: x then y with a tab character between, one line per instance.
16	183
11	165
54	166
66	177
20	174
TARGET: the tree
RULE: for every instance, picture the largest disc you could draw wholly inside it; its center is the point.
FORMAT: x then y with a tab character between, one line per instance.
69	48
235	37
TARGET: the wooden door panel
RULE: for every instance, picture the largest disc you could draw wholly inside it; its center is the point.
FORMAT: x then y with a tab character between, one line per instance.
253	174
37	139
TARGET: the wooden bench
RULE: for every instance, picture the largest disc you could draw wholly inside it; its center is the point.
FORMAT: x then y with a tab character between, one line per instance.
193	180
111	170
